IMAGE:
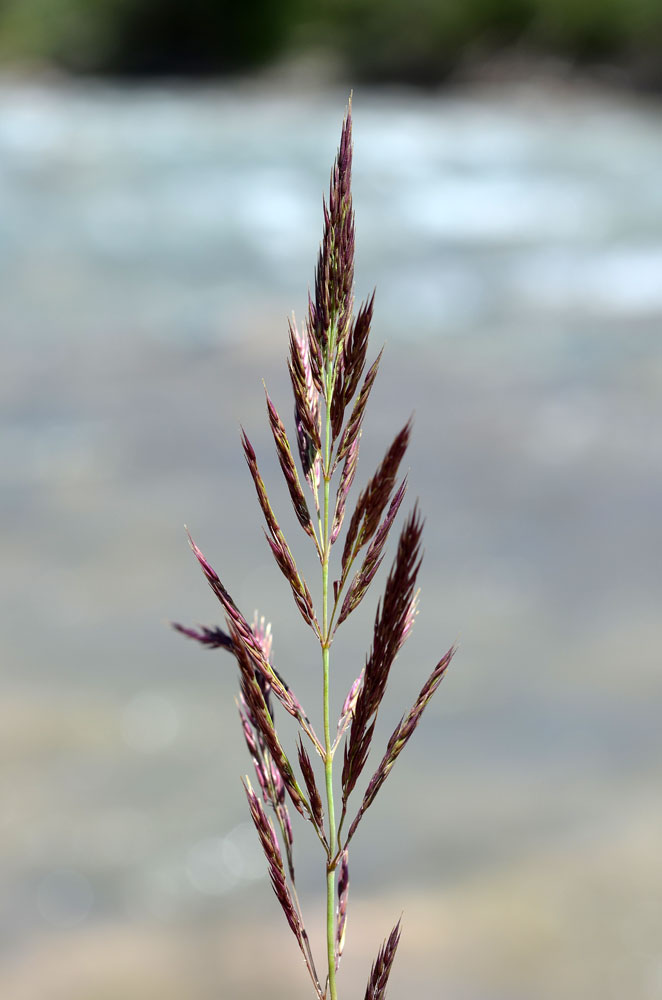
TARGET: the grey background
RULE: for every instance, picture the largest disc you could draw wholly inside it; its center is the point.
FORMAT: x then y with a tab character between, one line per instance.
153	243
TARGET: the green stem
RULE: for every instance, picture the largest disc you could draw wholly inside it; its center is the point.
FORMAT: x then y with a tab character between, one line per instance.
328	758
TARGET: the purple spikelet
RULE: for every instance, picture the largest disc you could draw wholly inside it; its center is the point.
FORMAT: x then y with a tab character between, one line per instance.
373	559
289	469
354	424
262	721
401	737
269	842
314	796
277	544
346	480
212	638
381	969
306	406
341	909
351	364
330	311
392	625
373	501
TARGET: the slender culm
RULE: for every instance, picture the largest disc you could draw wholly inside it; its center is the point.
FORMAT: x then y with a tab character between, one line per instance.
331	388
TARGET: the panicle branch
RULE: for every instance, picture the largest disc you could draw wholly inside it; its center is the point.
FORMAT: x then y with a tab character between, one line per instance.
355	423
278	545
373	558
372	502
269	842
401	737
244	639
381	969
351	361
392	624
289	470
317	810
307	416
260	717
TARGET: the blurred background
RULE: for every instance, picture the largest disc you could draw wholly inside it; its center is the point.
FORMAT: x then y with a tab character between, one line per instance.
161	173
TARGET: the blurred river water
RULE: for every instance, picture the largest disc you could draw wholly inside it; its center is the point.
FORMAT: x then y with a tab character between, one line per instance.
152	244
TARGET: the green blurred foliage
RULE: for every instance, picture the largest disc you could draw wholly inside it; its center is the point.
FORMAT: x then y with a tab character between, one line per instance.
425	40
146	36
404	40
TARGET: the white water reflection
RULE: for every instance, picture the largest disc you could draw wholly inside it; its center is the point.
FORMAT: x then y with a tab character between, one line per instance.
166	211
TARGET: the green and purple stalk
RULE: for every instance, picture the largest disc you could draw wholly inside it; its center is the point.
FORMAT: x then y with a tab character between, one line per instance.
326	365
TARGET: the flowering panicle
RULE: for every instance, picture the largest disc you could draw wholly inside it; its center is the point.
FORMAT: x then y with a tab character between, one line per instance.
331	388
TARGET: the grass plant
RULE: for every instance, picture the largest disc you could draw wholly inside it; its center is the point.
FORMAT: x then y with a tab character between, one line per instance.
331	388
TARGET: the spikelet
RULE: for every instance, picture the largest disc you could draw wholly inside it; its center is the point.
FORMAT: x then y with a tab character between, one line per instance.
401	737
392	625
381	969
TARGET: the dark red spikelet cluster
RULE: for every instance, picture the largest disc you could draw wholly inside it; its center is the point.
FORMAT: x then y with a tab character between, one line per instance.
243	635
341	910
269	842
392	625
261	719
355	423
268	776
289	469
330	312
381	970
277	544
373	558
212	638
315	799
351	362
346	480
401	737
306	405
373	500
